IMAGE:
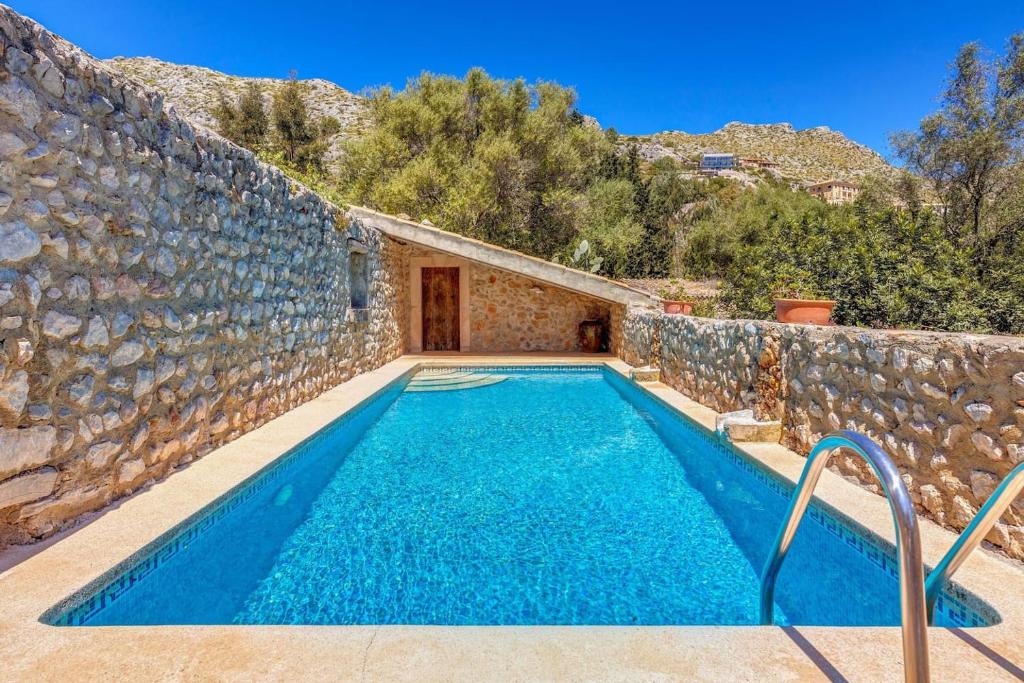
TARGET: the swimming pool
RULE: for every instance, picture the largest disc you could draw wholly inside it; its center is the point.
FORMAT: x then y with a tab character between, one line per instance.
560	495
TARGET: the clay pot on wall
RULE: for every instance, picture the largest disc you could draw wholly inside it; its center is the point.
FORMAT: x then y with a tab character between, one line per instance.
806	311
677	307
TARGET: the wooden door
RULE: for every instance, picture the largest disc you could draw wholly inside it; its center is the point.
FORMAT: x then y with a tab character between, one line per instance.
440	309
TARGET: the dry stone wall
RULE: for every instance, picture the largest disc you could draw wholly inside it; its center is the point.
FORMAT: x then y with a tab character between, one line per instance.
161	291
725	364
948	408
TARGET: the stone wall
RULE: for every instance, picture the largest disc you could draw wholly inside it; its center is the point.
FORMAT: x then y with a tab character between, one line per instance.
948	408
161	291
725	364
510	312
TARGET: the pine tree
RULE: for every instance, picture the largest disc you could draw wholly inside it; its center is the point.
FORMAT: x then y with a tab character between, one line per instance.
227	117
294	136
244	123
252	118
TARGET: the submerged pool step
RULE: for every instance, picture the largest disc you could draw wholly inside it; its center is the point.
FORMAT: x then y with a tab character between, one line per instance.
437	378
452	382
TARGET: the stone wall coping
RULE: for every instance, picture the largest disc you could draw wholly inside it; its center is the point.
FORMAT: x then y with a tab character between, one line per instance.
894	334
503	259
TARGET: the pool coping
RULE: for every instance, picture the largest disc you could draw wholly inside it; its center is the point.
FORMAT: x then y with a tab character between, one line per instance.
57	570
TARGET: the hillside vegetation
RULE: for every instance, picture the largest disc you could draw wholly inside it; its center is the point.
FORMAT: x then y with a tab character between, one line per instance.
890	259
805	156
938	246
195	92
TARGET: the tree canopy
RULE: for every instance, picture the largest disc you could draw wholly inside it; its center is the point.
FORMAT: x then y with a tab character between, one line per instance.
503	161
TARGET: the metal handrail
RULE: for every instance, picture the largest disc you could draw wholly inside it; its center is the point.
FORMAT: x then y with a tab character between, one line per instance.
972	536
908	543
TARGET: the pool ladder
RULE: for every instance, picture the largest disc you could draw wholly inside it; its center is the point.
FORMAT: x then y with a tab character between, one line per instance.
913	611
917	595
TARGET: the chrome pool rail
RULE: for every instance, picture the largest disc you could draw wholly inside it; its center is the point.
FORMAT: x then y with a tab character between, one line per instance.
913	614
973	535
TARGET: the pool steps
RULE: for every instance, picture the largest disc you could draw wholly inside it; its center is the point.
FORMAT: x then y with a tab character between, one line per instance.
451	380
444	379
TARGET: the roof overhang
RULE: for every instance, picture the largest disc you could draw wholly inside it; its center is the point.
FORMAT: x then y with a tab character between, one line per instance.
507	260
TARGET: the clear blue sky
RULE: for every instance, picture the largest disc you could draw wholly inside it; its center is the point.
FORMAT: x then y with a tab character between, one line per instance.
865	68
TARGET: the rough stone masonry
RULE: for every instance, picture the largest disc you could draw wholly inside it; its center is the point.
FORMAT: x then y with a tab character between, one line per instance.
161	291
948	408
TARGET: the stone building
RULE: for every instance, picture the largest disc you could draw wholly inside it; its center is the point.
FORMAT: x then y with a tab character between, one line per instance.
470	296
835	191
459	294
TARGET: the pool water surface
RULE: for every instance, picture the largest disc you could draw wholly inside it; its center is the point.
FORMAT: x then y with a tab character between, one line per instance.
557	496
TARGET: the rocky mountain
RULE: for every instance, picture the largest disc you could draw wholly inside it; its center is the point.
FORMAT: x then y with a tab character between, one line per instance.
193	90
810	155
805	156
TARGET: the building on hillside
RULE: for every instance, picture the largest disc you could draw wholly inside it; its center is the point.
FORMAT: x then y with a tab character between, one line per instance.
835	191
716	161
758	162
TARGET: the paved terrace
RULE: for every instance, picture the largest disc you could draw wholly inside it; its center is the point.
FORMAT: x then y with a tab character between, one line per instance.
44	575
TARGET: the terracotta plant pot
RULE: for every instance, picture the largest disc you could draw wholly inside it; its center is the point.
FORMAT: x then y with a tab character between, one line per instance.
807	311
677	307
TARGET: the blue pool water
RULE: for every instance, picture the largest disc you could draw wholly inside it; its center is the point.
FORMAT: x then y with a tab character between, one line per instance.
554	497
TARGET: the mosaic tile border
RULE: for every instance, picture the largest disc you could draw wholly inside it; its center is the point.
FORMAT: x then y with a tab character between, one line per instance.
86	603
961	607
581	368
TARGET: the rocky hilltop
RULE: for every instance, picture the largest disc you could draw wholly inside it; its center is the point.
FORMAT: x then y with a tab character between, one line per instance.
810	155
193	90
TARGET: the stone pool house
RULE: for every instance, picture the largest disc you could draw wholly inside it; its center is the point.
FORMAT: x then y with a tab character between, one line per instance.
162	292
